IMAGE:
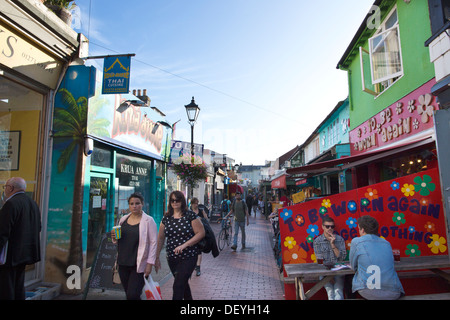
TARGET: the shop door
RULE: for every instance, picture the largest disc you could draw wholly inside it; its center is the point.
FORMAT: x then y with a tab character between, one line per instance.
99	212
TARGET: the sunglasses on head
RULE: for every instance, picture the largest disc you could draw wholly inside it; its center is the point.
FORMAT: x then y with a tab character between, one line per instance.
328	226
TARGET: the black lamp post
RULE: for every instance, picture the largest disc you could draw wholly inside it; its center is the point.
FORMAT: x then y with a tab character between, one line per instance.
192	111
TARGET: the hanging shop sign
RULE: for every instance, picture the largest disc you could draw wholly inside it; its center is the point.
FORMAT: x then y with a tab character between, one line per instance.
116	74
279	183
180	150
410	115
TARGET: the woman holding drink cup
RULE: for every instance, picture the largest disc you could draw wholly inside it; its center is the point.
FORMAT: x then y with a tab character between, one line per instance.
137	242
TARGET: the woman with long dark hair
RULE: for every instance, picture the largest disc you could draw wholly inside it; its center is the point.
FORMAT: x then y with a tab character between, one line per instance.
183	230
136	248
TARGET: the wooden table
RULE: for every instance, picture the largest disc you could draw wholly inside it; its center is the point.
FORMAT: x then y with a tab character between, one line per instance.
303	271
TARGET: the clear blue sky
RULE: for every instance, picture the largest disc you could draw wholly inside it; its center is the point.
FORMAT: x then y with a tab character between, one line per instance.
263	72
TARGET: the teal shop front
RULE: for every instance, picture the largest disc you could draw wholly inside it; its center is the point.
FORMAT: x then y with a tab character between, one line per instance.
105	147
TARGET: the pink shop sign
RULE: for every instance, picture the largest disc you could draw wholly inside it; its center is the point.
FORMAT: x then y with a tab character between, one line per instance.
410	115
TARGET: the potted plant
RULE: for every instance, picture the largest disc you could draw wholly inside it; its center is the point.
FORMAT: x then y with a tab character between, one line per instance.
61	8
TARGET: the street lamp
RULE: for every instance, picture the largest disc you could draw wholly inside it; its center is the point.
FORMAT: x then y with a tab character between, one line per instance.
192	111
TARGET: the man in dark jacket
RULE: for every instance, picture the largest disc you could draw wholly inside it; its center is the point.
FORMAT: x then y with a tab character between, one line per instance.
20	227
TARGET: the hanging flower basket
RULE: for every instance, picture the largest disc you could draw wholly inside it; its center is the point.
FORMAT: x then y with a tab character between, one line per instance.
190	170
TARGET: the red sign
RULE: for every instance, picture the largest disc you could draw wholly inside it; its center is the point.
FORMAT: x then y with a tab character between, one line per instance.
409	211
279	183
407	117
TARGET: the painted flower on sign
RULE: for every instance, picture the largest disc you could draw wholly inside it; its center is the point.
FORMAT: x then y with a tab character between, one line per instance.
429	226
395	185
437	244
399	218
294	255
371	194
412	250
351	223
313	230
326	203
289	242
299	220
352	206
424	185
408	190
286	214
425	107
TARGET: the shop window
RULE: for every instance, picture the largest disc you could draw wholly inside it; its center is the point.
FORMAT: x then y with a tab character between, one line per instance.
20	128
383	57
101	156
132	175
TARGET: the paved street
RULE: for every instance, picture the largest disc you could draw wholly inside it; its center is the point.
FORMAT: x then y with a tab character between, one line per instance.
248	274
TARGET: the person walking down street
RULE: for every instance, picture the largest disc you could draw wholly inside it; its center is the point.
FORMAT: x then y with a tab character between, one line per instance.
20	227
200	213
136	247
331	248
249	202
241	215
370	250
183	230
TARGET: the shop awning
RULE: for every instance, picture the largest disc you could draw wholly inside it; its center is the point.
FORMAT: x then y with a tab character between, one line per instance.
353	161
279	183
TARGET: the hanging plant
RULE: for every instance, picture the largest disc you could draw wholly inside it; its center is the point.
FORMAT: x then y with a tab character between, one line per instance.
190	170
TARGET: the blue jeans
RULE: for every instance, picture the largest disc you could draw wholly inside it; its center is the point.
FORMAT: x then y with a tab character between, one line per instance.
335	288
238	225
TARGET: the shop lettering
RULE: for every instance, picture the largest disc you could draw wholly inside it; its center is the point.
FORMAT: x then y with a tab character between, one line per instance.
403	233
9	44
128	168
130	123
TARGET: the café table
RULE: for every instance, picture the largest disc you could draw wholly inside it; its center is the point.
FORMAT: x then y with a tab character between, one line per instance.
302	271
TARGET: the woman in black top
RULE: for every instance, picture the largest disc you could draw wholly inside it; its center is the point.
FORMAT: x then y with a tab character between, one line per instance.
183	230
136	248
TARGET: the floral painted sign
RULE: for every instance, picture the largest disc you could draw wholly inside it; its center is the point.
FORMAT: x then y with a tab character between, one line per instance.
407	117
408	209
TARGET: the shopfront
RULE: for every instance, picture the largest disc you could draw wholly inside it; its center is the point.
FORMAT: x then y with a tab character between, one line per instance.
30	70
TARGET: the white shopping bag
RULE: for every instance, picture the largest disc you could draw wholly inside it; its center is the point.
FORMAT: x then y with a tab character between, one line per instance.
151	289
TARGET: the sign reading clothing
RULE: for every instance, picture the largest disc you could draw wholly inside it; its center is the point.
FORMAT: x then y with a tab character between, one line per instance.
116	75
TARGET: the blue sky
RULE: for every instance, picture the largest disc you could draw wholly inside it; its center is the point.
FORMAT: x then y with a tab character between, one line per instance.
263	72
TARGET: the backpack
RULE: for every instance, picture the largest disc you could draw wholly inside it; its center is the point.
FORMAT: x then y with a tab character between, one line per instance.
208	243
225	206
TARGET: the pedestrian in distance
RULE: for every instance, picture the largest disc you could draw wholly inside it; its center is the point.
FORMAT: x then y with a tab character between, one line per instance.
20	227
330	247
371	257
183	230
249	202
240	211
200	213
136	247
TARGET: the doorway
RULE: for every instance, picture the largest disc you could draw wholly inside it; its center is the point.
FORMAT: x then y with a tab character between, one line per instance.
100	213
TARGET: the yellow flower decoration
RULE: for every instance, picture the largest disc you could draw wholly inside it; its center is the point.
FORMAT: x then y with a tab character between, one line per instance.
408	190
289	242
326	203
437	244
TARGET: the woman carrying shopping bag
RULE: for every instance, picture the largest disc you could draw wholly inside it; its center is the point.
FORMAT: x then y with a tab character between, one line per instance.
183	230
136	247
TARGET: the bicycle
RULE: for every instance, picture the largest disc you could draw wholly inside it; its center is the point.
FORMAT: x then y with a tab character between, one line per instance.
225	233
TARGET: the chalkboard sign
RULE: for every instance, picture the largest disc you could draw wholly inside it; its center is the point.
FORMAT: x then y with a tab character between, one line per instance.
101	270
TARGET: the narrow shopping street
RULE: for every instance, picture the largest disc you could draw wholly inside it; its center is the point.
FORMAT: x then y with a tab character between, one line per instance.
244	274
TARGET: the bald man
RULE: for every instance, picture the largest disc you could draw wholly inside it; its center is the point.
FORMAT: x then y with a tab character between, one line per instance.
20	227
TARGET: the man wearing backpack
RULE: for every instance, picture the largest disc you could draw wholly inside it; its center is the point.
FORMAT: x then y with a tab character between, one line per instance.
239	208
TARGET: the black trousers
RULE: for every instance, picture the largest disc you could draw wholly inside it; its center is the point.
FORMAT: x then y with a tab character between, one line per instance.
132	282
12	282
182	270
